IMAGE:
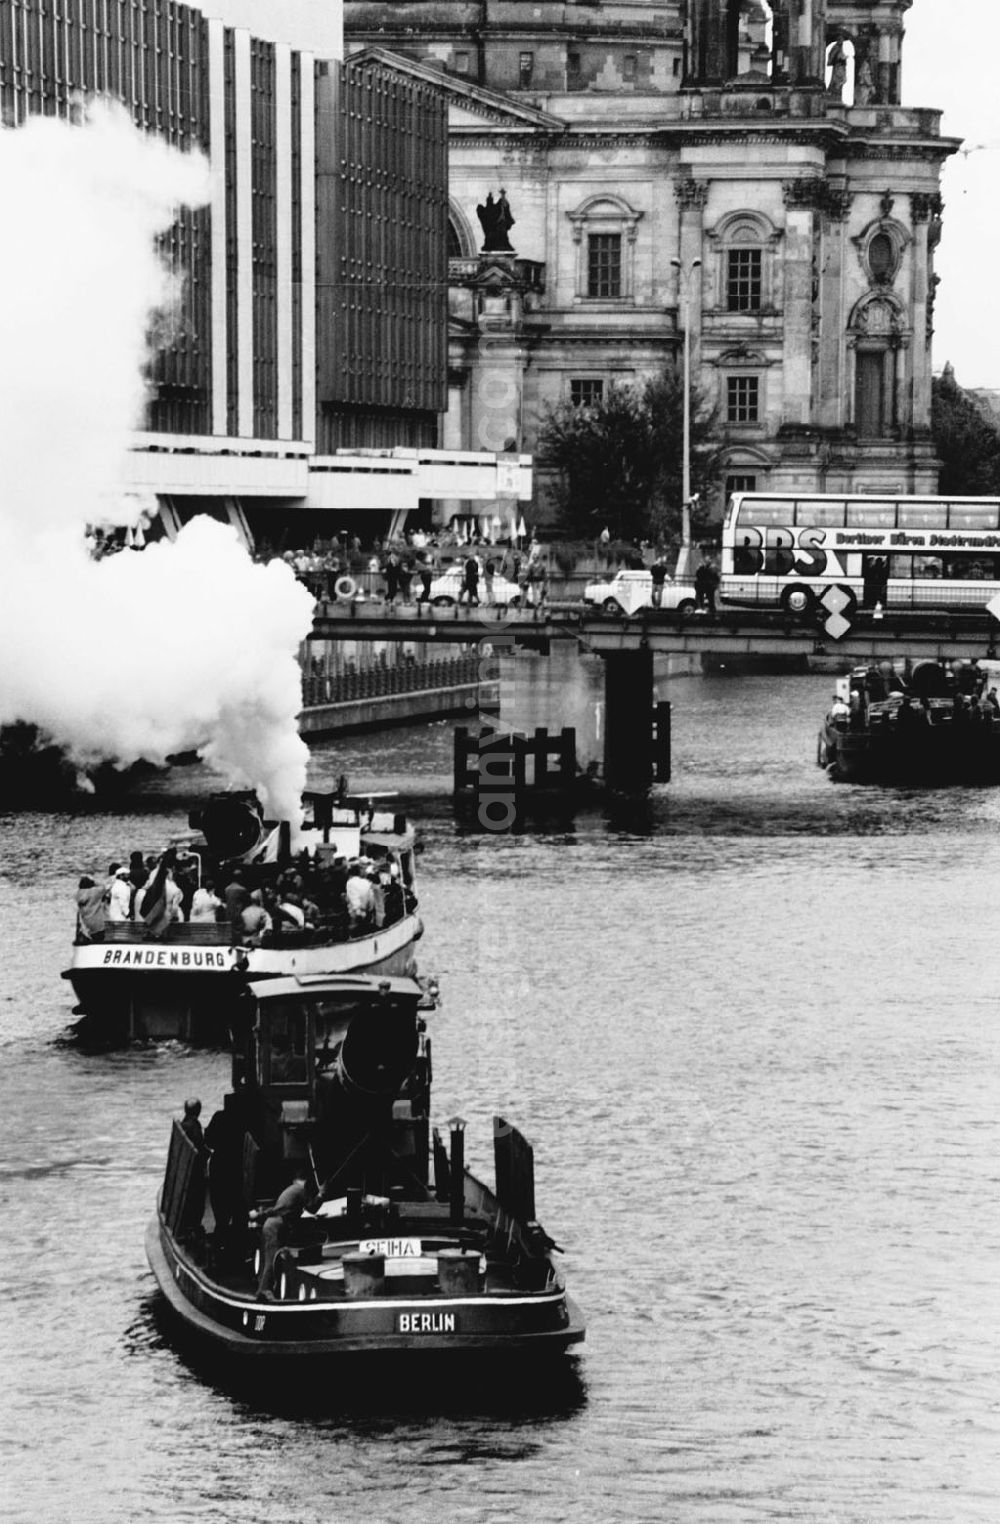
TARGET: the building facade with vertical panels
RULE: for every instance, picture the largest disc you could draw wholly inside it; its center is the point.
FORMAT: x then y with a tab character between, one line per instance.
748	162
313	283
382	258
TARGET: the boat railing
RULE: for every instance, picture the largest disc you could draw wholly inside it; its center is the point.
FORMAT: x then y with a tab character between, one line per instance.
183	1198
332	928
200	933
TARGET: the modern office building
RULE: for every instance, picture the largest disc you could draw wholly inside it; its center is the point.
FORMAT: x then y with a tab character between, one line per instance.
302	381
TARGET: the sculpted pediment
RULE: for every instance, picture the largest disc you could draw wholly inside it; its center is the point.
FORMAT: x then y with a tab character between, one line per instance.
486	107
469	105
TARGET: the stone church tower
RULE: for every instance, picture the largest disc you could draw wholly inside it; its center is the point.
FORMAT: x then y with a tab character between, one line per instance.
746	163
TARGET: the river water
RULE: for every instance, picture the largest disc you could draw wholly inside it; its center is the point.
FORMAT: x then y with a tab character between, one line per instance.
751	1030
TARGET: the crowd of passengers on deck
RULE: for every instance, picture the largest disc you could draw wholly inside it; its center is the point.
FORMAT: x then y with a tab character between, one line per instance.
261	904
902	709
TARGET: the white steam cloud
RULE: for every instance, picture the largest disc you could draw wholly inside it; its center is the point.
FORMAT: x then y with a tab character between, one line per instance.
181	646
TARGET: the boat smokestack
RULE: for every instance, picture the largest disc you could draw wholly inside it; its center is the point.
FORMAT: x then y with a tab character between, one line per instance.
457	1170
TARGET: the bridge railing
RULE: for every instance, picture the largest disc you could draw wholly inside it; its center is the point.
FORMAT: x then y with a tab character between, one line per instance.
383	681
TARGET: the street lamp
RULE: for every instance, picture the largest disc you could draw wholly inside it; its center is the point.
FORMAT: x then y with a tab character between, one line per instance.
683	567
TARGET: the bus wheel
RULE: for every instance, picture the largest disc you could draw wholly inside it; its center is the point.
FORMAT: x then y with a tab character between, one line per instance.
797	600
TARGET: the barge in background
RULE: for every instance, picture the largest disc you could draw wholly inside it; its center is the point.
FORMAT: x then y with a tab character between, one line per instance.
185	980
324	1234
934	724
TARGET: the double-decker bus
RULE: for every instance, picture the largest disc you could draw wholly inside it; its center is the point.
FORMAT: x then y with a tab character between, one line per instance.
785	550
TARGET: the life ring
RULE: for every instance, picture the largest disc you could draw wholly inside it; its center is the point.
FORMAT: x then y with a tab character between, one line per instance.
344	589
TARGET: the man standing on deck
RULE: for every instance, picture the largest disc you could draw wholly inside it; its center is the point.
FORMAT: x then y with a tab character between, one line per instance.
237	897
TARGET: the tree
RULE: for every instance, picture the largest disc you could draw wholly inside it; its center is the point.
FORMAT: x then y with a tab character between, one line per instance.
967	441
620	461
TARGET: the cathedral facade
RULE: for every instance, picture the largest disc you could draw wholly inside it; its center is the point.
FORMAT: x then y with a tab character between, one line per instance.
621	172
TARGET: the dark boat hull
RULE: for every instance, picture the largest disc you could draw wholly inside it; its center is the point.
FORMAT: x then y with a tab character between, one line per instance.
481	1324
135	992
933	756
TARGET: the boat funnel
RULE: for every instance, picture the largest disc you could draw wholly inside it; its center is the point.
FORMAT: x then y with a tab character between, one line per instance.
456	1170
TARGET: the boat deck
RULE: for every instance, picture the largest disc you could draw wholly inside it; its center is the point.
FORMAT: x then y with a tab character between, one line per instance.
313	1257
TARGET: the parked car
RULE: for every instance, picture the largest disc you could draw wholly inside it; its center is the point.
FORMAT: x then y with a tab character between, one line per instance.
631	590
446	588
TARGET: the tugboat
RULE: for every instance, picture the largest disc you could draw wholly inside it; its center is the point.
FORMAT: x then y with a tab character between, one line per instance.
324	1232
153	977
933	725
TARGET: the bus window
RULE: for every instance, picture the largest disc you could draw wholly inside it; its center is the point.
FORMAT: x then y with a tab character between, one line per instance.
766	510
820	514
970	568
972	516
901	566
921	516
928	566
871	515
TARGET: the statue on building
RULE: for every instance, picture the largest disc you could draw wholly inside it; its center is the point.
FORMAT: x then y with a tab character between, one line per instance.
864	85
497	221
837	61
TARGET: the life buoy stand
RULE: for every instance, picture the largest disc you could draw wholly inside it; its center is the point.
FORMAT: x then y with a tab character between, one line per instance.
345	589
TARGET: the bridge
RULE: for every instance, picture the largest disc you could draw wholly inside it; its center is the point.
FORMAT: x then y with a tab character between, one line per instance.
628	644
890	636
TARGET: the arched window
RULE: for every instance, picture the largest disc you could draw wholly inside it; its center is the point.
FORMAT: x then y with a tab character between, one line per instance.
742	245
462	241
604	231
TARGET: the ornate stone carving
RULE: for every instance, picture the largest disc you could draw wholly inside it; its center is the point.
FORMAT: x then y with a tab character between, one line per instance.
932	286
691	193
925	206
817	194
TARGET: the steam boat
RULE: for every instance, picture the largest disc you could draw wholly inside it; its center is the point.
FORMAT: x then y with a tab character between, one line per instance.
325	1233
934	725
184	978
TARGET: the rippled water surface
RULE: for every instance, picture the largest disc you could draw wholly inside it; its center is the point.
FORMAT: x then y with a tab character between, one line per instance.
751	1030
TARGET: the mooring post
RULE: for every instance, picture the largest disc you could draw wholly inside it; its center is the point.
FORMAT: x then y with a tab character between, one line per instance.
567	757
540	751
519	763
662	744
461	779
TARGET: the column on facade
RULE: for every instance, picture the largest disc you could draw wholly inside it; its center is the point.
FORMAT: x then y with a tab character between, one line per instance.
692	197
706	40
800	299
496	393
925	209
829	403
807	42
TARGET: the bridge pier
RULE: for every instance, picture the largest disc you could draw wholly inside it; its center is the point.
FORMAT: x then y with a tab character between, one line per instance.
608	702
628	720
